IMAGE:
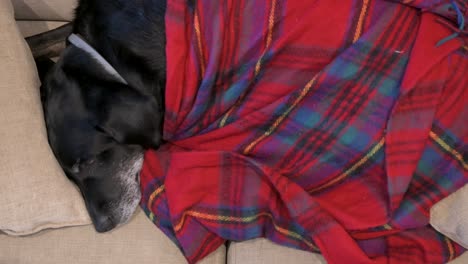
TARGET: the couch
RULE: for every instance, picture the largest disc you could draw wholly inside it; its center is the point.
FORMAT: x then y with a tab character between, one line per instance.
64	239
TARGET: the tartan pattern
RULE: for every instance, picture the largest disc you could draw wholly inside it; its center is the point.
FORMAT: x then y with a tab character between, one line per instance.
279	127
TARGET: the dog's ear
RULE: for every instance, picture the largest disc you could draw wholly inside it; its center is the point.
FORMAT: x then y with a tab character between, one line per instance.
116	108
129	116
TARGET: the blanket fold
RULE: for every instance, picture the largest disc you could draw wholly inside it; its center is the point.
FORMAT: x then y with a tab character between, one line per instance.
329	126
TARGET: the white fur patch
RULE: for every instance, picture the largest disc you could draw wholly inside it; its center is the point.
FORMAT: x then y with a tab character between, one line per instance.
131	194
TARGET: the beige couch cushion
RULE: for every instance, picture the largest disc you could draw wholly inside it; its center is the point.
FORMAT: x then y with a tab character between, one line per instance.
262	251
34	192
138	242
450	216
29	28
463	259
60	10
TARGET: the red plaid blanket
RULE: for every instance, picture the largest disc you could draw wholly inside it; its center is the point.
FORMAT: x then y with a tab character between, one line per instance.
328	126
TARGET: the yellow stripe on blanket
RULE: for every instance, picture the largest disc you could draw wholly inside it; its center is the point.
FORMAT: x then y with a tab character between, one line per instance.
352	169
449	149
247	219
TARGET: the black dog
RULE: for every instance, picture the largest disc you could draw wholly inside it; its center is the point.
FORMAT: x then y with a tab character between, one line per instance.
100	122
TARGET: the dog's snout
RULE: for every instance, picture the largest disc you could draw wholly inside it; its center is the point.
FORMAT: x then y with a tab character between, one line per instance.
101	217
103	223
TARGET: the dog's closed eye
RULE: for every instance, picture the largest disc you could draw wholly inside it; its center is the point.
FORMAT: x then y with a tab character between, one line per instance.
105	131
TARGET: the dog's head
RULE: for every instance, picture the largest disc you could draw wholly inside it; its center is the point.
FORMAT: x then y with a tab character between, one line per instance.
98	128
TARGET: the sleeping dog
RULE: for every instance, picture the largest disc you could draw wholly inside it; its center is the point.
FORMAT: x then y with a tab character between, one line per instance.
103	102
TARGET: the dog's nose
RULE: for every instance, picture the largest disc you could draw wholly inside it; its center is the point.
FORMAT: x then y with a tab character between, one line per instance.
102	223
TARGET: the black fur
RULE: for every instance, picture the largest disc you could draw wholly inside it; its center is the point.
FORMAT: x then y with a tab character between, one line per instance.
97	125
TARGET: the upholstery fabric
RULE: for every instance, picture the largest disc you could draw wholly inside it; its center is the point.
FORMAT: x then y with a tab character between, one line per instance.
136	242
312	124
262	251
450	216
58	10
34	193
33	27
463	259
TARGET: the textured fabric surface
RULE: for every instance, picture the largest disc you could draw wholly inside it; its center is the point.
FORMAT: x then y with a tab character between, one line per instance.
33	27
461	259
450	216
59	10
330	126
34	193
136	242
262	251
